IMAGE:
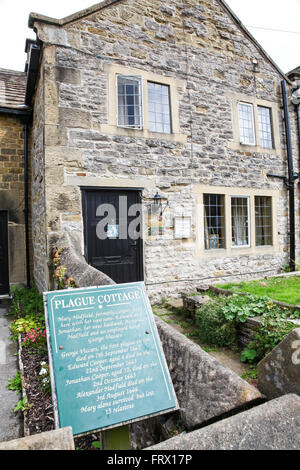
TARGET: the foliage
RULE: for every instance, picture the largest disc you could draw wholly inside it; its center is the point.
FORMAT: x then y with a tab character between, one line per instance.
240	307
36	340
26	301
250	374
24	325
60	272
23	405
218	321
271	332
15	383
214	327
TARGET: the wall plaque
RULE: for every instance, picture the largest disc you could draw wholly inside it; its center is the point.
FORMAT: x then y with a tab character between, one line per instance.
107	364
182	227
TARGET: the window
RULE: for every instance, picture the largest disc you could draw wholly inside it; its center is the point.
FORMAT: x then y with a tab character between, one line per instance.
246	123
255	125
240	221
214	221
129	92
265	127
159	108
263	220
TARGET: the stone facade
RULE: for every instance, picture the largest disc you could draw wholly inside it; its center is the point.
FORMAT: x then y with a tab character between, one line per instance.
12	193
206	58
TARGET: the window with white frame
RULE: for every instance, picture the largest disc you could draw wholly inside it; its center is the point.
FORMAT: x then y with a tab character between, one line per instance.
240	235
246	123
255	125
129	99
130	107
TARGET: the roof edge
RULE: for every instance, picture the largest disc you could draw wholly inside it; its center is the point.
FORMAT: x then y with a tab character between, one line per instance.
68	19
33	17
256	43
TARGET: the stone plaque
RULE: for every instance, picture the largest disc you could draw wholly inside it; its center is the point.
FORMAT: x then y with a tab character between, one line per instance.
107	364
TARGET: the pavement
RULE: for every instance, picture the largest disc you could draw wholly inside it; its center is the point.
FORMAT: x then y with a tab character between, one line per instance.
11	425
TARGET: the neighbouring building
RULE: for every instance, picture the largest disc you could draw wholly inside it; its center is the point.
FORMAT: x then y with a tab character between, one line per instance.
171	113
12	204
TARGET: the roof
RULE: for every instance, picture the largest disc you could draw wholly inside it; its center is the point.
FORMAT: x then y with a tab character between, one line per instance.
295	73
12	88
33	17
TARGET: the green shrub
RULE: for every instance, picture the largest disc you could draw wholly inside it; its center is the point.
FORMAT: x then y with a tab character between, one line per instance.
24	325
26	301
213	326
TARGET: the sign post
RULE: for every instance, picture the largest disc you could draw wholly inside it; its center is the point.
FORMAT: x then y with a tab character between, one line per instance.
107	364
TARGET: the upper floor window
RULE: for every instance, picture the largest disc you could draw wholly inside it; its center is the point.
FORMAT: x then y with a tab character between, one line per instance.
130	104
159	118
130	111
265	127
255	125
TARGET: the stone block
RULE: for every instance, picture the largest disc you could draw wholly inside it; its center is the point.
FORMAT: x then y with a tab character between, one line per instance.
271	426
70	117
205	388
279	371
59	439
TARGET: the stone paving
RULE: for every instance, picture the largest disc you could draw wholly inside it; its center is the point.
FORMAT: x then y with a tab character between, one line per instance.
10	422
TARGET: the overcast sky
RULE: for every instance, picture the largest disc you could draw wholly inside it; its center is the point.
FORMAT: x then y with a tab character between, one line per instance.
274	23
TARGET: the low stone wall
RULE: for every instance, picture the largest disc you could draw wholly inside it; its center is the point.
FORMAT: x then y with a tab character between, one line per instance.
205	389
271	426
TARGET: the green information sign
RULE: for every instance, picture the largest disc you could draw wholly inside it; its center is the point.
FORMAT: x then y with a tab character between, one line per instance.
107	364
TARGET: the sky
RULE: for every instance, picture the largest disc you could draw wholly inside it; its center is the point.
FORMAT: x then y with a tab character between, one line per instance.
275	24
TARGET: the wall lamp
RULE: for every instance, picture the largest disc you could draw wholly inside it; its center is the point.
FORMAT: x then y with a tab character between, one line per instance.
157	199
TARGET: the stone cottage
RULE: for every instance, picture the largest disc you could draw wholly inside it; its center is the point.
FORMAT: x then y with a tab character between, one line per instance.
156	133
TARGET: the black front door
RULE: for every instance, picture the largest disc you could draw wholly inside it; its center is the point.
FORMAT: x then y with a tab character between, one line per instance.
4	280
112	232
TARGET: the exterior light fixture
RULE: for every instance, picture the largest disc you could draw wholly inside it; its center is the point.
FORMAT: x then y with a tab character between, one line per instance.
157	199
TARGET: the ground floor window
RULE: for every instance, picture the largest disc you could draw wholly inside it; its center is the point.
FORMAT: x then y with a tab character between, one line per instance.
263	220
214	221
237	221
240	221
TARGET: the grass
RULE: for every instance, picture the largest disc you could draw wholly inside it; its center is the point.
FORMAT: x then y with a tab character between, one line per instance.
284	289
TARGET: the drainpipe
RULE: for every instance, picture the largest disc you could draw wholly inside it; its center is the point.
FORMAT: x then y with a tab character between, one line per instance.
290	182
26	202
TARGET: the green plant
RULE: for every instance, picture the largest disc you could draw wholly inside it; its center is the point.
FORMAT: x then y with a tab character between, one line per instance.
22	405
26	301
249	355
240	307
250	374
15	383
214	327
24	325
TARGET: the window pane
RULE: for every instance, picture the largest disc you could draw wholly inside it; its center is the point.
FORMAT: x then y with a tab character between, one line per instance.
239	221
214	221
159	108
263	220
246	124
265	127
129	101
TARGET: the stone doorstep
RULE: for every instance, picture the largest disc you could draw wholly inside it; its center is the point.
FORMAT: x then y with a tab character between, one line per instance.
59	439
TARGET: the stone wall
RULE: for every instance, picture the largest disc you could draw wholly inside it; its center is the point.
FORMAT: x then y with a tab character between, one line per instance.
207	59
12	192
